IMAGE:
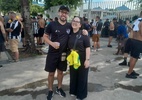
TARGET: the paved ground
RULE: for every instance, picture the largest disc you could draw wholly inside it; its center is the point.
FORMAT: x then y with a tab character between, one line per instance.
26	79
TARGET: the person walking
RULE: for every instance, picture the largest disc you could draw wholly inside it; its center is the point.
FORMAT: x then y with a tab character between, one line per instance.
79	77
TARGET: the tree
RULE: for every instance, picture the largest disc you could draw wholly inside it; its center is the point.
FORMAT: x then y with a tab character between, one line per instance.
9	5
35	9
25	8
70	3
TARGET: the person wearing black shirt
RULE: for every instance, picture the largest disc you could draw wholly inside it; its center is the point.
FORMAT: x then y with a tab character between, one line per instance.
79	77
56	35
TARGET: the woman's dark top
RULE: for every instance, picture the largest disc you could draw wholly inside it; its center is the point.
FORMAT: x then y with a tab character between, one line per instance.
82	43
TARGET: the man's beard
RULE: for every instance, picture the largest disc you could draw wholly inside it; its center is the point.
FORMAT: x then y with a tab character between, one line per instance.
63	20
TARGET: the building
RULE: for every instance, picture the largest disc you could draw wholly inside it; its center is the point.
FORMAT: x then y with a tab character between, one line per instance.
111	9
38	2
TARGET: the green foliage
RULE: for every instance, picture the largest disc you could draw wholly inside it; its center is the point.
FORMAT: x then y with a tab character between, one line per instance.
70	3
10	5
35	9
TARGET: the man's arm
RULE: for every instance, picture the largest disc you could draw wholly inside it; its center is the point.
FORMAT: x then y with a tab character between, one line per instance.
2	30
53	44
140	27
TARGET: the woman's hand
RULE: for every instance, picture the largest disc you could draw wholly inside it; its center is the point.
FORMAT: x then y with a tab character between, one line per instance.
87	63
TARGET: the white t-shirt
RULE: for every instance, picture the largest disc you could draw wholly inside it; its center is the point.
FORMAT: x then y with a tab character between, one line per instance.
136	24
94	30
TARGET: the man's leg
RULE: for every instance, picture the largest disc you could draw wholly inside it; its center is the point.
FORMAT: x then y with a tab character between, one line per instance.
50	85
131	73
132	64
50	80
60	79
110	39
16	54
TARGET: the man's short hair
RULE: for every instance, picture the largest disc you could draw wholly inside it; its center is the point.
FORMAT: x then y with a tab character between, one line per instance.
40	15
64	8
13	13
98	17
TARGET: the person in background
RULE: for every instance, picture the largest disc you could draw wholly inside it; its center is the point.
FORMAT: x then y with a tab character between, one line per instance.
112	31
122	37
128	44
136	47
35	29
79	77
41	26
2	36
14	35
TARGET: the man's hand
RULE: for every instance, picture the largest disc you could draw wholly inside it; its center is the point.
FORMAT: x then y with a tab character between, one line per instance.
9	30
55	45
84	32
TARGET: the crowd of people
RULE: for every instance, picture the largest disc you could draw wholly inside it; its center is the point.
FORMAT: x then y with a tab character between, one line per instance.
64	37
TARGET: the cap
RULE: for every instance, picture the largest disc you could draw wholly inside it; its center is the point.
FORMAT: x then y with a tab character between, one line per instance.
64	8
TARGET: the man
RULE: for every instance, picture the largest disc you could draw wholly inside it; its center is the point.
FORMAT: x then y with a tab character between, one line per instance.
59	32
106	28
14	32
97	26
41	24
112	31
136	47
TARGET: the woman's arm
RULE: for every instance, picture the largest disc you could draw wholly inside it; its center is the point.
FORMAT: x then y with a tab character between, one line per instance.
87	61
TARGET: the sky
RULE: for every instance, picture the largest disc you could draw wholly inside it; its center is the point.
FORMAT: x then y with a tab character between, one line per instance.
107	0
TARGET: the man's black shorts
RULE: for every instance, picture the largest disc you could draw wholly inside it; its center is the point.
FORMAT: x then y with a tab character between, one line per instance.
53	62
41	32
136	48
111	33
127	46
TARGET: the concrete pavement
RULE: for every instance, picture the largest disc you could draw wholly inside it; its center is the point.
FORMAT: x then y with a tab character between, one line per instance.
26	79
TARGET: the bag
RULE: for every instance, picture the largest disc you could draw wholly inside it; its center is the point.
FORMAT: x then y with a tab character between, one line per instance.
63	56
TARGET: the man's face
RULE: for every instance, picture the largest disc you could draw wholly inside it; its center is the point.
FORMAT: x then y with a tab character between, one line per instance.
10	16
63	15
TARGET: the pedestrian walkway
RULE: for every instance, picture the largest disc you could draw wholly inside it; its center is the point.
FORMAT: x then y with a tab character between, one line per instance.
27	80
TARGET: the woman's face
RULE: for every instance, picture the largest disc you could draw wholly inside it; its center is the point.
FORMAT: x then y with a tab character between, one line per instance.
76	23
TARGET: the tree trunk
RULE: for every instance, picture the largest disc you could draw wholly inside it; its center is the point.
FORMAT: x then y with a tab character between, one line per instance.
25	9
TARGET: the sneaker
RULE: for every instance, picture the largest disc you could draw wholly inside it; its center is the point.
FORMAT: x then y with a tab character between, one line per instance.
72	95
124	63
109	46
100	49
135	74
60	92
131	76
50	95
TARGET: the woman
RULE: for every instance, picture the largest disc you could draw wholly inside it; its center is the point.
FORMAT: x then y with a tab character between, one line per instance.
79	77
2	37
